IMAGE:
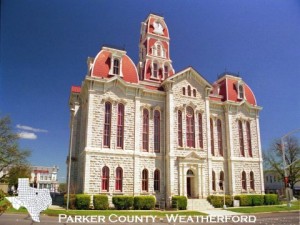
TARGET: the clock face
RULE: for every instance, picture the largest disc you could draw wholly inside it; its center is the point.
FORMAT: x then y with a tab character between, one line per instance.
158	28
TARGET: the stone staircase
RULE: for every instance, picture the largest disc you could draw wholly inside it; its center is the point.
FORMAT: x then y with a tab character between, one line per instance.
198	204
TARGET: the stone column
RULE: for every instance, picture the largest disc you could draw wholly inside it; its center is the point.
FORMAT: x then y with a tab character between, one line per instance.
199	180
262	185
137	147
209	163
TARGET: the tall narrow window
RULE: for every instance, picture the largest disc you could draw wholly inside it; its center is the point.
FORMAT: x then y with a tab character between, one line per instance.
145	180
241	138
180	128
189	91
158	50
107	124
249	145
145	130
221	182
190	127
119	179
241	91
200	124
213	180
212	141
244	181
166	71
220	142
252	186
116	69
183	90
194	93
120	126
105	178
155	70
156	180
156	131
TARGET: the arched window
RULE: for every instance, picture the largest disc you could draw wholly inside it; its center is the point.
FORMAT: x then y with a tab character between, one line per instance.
241	91
180	128
212	141
158	50
219	132
200	124
107	125
116	69
190	127
105	178
244	181
119	179
249	145
221	182
194	92
241	138
252	186
189	90
120	126
183	90
156	131
156	180
145	180
145	130
213	180
155	70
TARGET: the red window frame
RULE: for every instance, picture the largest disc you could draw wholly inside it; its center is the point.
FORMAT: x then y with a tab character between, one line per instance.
156	180
252	184
220	140
120	126
249	144
156	131
212	141
244	181
145	180
213	181
190	128
107	125
105	179
180	143
200	125
241	138
145	130
119	179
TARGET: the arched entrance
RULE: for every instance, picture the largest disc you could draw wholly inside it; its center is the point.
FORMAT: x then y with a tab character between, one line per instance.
190	183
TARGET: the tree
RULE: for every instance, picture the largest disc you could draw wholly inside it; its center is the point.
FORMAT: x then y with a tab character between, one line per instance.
16	172
10	153
274	159
62	188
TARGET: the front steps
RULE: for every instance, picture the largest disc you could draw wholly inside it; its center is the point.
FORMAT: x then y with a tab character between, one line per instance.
198	204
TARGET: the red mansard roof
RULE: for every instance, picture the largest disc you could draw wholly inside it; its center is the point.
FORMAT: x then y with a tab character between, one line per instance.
102	65
75	89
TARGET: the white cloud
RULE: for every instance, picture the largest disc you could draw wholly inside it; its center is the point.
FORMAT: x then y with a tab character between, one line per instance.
27	135
37	130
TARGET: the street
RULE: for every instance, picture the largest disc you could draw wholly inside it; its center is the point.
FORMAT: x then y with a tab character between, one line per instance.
278	218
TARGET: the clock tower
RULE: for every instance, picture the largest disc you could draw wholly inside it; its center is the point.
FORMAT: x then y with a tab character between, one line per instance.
154	64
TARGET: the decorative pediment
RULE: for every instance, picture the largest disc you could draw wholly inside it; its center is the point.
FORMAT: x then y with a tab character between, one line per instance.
192	156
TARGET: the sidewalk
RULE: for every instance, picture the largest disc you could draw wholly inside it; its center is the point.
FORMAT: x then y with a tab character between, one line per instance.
220	212
56	207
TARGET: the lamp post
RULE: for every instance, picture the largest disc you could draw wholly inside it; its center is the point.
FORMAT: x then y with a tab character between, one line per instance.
287	189
70	158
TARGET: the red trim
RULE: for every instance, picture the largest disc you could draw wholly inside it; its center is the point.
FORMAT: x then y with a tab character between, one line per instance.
75	89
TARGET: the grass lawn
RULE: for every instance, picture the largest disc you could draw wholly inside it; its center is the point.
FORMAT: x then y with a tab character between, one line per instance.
263	209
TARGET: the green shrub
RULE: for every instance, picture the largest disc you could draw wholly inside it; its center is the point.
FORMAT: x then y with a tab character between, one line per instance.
82	201
100	202
2	195
72	199
271	199
144	202
122	202
257	200
245	200
218	200
179	202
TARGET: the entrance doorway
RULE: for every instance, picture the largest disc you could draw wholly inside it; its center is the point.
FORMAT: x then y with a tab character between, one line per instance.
190	184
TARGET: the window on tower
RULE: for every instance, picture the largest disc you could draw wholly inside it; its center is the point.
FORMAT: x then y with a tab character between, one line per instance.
190	127
116	69
155	70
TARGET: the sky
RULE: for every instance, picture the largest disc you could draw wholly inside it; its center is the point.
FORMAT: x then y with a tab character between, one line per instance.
44	46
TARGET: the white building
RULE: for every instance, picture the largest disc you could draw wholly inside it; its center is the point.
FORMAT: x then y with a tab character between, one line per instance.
44	177
148	130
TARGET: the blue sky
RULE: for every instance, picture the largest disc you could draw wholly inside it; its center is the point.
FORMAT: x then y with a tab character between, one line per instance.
44	46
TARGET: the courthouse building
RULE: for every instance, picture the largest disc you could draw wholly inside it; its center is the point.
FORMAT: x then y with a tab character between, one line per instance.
145	129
